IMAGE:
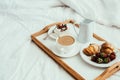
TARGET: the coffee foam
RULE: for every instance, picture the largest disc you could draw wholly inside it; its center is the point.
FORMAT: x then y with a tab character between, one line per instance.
66	40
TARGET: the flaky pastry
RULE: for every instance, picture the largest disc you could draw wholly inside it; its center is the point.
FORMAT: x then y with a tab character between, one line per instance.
91	49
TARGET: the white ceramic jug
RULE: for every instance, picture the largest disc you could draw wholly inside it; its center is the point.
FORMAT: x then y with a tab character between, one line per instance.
85	31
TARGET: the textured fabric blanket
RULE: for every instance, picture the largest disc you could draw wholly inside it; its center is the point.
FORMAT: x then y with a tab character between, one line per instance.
21	59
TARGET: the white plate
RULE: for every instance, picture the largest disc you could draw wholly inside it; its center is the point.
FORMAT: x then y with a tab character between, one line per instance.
54	35
71	53
88	58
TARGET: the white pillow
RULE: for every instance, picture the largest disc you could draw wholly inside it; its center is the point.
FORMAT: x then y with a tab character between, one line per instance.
104	11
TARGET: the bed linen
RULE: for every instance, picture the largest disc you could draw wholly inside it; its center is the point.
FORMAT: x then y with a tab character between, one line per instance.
21	59
102	11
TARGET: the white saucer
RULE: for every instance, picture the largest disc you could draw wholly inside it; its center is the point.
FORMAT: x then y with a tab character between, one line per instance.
71	53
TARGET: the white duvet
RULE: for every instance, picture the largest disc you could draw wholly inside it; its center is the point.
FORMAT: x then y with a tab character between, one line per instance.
21	59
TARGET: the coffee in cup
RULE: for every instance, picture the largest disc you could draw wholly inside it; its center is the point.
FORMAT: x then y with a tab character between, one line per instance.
66	40
65	43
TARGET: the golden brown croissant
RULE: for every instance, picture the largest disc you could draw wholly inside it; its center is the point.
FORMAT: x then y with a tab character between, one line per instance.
91	50
107	48
107	45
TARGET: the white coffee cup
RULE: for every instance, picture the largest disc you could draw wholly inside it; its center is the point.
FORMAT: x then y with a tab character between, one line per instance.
65	43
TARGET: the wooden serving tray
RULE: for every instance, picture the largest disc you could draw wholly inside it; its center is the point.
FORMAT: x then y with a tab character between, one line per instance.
49	52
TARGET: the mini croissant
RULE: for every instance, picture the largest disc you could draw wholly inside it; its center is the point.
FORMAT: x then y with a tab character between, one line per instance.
91	50
107	48
107	45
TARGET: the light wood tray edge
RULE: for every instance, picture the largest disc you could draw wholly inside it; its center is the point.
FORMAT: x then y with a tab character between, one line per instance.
72	72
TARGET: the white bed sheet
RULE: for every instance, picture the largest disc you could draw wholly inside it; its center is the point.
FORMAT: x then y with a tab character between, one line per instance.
21	59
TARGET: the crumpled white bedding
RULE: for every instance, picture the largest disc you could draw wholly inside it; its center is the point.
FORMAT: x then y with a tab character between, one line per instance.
21	59
105	12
